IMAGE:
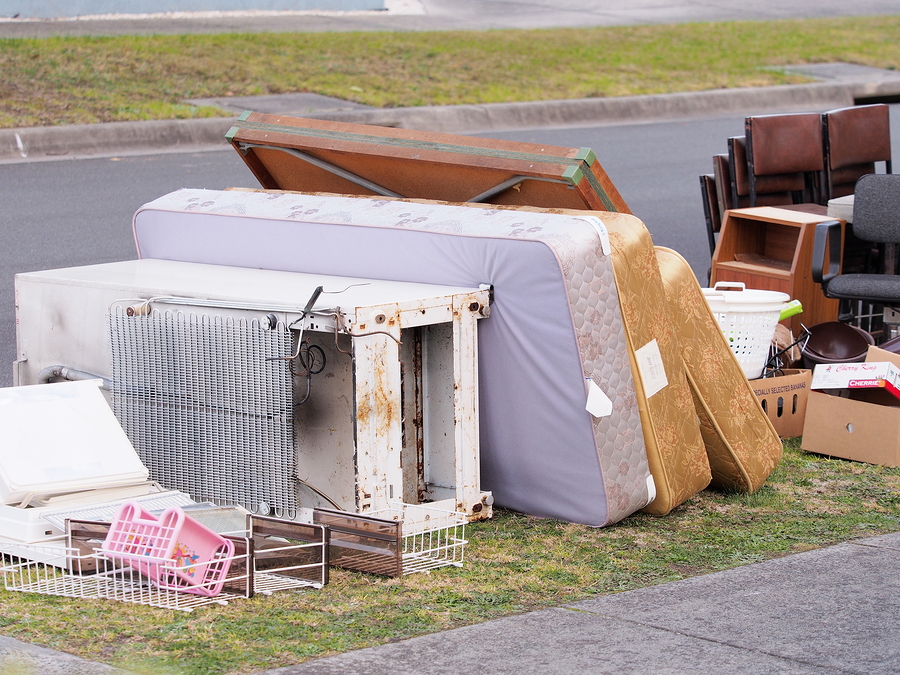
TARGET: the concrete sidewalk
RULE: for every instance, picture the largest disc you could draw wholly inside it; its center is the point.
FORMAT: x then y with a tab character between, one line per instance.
834	611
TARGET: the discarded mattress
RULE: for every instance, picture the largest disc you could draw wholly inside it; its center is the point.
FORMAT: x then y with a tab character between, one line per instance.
555	336
675	448
742	445
289	153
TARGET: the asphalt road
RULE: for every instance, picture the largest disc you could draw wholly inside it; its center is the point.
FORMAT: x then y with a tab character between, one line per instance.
419	15
78	212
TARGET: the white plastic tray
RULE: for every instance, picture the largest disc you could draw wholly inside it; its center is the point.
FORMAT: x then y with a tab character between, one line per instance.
60	438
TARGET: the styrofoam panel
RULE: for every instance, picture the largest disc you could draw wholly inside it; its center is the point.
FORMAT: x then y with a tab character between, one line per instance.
60	438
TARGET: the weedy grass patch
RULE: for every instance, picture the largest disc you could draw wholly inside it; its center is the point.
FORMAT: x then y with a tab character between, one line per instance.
54	81
514	563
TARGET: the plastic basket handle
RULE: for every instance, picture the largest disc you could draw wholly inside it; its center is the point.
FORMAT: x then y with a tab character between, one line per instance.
790	309
145	522
172	518
729	286
131	513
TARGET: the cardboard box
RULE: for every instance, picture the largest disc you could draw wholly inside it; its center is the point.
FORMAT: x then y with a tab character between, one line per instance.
868	375
859	423
784	399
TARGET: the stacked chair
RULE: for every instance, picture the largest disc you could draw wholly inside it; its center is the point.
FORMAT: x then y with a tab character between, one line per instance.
855	139
797	160
784	155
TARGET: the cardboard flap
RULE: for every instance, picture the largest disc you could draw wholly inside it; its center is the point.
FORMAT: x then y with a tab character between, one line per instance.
883	355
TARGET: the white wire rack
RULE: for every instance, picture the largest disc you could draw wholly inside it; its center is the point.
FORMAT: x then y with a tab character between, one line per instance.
431	537
96	577
286	554
271	556
106	510
399	540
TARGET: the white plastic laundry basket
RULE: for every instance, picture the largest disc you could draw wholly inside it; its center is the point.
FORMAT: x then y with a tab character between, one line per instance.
748	319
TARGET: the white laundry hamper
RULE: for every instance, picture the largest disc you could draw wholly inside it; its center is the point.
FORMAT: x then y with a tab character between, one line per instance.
748	318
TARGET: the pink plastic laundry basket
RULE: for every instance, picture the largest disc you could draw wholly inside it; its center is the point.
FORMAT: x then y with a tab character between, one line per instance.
201	561
136	534
172	549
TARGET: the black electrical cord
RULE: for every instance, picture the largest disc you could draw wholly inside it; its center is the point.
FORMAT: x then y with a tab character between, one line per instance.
311	359
774	364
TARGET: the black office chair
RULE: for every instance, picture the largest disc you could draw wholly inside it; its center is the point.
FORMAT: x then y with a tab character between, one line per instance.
876	218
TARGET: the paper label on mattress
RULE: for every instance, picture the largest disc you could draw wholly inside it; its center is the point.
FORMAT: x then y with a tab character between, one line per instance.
651	489
601	230
598	403
650	366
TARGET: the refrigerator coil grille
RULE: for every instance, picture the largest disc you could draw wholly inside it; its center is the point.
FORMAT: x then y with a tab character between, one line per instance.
207	413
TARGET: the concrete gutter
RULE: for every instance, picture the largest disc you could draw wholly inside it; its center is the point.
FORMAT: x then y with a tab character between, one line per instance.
17	657
36	143
109	138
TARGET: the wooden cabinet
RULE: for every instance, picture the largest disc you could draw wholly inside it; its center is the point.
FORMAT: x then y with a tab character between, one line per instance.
770	248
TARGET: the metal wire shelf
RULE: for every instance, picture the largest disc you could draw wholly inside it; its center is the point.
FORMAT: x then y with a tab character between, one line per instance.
400	540
269	556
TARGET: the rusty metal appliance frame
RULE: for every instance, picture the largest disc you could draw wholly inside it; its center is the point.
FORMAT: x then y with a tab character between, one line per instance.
413	352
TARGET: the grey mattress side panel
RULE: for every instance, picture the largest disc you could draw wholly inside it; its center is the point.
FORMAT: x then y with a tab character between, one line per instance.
603	347
542	453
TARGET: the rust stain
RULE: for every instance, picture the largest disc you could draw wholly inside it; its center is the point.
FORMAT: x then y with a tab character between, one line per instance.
379	406
384	401
484	514
418	420
363	410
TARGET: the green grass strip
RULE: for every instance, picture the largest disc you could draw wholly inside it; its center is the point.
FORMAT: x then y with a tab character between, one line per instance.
84	80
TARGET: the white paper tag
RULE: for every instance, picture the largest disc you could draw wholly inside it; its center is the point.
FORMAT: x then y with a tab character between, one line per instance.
651	490
601	230
598	403
650	366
